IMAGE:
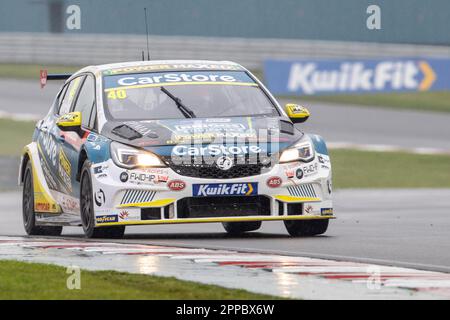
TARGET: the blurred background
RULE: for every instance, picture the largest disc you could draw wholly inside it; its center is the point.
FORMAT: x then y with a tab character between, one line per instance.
375	74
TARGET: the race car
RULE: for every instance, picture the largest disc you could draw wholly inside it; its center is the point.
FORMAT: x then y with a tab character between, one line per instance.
172	142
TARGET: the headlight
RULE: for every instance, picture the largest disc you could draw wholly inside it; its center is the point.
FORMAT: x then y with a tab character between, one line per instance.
128	157
303	151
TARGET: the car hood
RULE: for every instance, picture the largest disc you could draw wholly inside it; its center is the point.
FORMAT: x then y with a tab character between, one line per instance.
161	136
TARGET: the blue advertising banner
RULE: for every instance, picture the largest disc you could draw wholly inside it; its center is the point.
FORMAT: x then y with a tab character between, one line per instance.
316	77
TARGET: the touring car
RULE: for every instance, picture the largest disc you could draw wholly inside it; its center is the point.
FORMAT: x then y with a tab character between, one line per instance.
170	142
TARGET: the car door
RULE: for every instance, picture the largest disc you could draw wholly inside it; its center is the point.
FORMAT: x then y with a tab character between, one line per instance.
50	138
71	141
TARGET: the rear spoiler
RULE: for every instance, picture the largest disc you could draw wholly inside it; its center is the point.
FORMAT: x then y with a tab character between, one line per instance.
45	76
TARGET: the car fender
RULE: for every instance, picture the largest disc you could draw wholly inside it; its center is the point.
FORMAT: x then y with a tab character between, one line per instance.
43	198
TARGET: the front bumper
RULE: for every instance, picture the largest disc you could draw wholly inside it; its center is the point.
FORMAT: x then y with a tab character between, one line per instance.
162	196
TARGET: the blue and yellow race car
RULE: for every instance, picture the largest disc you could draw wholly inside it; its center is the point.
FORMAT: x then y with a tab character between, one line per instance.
169	142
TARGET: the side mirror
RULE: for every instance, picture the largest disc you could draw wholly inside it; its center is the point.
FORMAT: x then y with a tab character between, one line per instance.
297	113
70	121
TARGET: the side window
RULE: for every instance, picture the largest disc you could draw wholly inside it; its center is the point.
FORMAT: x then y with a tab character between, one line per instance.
85	101
61	96
70	94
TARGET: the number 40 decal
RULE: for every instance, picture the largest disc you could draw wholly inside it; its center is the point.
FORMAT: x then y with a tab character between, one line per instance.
117	94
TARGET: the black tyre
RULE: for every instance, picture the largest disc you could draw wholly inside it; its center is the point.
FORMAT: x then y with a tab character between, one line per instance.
87	210
237	228
303	228
29	216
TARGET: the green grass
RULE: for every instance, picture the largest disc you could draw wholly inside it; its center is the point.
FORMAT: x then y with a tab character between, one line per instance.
19	280
31	71
422	101
362	169
14	136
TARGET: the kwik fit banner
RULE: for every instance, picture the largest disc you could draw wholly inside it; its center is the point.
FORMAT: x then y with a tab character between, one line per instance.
315	77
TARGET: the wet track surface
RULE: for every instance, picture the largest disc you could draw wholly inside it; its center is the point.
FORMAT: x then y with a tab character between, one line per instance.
390	227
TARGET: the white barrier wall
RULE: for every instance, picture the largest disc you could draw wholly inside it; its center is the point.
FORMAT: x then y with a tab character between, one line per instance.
84	49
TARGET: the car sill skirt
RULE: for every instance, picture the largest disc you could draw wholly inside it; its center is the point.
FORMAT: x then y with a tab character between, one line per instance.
218	219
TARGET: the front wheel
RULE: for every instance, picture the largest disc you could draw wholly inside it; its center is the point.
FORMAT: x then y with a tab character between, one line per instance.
237	228
303	228
29	216
87	210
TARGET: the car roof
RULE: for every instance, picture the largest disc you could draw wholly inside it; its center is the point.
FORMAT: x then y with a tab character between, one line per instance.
161	65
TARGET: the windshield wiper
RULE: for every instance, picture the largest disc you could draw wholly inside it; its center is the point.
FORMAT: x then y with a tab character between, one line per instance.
188	113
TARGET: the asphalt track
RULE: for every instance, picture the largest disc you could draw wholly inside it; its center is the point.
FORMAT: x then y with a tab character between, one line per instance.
390	227
336	123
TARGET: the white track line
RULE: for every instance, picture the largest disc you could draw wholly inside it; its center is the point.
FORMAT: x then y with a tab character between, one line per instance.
386	148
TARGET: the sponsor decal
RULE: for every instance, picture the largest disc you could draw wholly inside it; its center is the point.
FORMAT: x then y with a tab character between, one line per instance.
126	215
115	84
324	161
299	173
175	77
100	171
70	117
211	129
170	66
124	177
215	150
107	219
99	198
176	185
50	147
358	76
49	177
92	137
146	178
310	170
309	209
123	215
202	127
69	204
290	173
142	129
65	170
274	182
326	211
225	189
42	206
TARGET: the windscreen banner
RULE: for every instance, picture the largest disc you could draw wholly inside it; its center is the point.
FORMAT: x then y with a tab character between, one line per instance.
321	77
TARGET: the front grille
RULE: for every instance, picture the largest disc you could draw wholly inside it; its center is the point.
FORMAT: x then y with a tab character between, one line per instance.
212	172
206	168
223	207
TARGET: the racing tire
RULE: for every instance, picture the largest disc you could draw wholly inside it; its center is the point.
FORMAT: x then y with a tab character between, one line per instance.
237	228
29	215
87	210
301	228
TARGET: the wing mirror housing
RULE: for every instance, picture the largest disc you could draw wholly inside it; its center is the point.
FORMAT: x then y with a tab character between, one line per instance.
70	122
297	113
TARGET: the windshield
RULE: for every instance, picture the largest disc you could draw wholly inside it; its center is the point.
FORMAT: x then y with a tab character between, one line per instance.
174	95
